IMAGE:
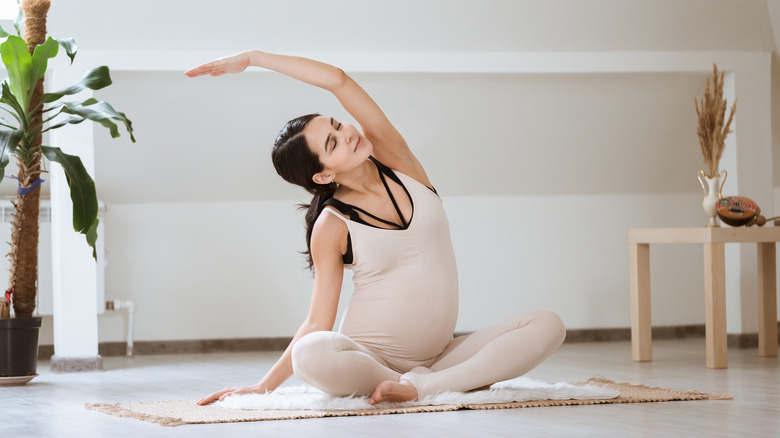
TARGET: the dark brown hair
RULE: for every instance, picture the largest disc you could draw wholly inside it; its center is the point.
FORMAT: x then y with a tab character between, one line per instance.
297	164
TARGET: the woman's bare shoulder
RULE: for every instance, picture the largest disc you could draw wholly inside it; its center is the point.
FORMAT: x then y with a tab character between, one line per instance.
329	232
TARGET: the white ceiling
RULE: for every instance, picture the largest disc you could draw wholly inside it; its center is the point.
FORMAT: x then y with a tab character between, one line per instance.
414	25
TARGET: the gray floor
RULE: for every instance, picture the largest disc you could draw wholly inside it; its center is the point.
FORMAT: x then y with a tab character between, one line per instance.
52	404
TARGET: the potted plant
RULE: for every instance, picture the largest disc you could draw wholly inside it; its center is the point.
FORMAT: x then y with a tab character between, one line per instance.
33	113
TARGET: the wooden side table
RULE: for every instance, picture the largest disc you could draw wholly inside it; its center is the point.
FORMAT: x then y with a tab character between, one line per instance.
713	240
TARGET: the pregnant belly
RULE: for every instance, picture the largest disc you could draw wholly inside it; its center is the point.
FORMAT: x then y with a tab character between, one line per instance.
401	325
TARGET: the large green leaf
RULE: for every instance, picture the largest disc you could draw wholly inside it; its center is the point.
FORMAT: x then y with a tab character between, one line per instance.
70	47
86	102
58	106
92	236
40	60
95	79
73	120
102	113
9	141
82	191
18	63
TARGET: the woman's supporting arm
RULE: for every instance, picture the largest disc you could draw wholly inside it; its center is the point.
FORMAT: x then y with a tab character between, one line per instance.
328	236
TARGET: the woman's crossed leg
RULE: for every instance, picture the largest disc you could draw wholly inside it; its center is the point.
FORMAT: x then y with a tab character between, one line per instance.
339	366
500	352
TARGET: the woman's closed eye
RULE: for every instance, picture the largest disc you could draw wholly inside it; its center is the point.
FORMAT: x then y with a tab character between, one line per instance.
335	141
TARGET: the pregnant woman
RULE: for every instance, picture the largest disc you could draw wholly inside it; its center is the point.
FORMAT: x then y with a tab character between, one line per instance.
375	211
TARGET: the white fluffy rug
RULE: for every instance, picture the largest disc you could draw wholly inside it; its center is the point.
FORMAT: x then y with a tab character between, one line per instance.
515	390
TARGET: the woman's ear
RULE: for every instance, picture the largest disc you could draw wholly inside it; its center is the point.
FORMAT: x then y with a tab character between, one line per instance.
323	178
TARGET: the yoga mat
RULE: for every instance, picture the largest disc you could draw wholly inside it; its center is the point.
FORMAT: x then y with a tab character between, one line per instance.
603	391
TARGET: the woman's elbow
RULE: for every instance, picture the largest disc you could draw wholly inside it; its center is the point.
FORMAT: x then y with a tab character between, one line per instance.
338	80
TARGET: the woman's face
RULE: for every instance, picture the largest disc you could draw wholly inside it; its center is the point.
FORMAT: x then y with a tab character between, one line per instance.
339	146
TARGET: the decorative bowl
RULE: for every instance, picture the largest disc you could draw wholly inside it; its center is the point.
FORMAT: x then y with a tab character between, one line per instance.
736	210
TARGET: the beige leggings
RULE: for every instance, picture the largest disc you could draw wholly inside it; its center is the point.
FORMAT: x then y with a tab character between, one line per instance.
336	364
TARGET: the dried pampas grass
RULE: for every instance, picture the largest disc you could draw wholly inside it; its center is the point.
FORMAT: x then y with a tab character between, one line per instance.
711	130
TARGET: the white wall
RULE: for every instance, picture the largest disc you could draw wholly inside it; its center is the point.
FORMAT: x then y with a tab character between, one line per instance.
542	173
204	140
205	275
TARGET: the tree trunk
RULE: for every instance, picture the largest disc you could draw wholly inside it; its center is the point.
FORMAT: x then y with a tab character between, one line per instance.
24	228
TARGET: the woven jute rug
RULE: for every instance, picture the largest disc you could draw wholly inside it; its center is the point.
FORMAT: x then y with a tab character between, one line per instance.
180	412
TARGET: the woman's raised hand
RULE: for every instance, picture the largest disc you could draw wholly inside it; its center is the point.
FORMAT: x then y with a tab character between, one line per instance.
227	392
229	64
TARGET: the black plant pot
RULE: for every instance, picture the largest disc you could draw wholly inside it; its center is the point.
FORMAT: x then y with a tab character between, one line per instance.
19	346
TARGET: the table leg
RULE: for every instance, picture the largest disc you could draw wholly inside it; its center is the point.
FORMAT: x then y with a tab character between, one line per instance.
641	329
715	304
767	300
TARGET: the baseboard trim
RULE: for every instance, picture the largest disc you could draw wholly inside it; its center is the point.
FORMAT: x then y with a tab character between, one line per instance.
744	340
61	364
624	334
146	348
143	348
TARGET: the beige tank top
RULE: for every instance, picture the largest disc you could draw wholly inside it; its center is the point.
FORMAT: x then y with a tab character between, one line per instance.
405	303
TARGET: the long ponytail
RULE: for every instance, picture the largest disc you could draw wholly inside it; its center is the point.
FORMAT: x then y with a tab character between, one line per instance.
297	164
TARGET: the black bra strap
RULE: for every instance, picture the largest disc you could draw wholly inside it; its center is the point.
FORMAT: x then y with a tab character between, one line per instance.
351	211
392	198
393	224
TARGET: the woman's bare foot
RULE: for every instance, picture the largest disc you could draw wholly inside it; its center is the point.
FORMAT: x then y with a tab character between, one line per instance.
393	391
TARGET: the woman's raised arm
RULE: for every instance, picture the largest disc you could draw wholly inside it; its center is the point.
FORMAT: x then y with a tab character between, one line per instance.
389	146
307	70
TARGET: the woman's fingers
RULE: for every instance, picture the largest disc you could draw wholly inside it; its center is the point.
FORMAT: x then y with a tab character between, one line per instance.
214	396
229	64
208	399
201	70
216	67
224	393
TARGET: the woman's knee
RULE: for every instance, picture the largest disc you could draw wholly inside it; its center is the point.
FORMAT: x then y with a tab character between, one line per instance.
552	325
309	350
557	328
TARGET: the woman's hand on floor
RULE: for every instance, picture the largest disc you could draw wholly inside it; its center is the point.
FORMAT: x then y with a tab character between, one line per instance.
227	392
229	64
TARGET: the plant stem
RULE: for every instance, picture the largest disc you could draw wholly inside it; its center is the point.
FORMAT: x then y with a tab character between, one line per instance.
24	228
